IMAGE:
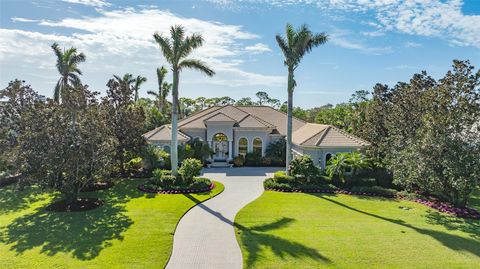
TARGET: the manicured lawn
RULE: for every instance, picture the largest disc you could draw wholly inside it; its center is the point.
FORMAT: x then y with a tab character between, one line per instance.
295	230
132	230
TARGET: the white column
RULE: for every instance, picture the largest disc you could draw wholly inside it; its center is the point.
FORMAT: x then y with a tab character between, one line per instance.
230	153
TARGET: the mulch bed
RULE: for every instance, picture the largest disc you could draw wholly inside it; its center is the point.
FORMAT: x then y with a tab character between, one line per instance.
144	189
82	204
97	186
470	213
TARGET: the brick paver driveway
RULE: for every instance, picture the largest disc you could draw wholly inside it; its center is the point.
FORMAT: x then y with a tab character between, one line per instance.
205	236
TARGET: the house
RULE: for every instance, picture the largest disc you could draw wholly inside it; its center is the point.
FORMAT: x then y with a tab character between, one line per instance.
235	130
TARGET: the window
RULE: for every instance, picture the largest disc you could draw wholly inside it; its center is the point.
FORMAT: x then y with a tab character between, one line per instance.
242	146
328	156
257	145
166	148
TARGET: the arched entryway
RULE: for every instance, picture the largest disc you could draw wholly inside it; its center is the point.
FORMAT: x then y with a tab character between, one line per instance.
220	146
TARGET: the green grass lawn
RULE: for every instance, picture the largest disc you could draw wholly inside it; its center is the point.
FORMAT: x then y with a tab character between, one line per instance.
132	230
295	230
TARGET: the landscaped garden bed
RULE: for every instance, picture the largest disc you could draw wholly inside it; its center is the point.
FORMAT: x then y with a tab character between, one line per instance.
97	186
187	181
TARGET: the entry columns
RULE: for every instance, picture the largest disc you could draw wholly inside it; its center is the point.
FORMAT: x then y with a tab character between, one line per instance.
230	153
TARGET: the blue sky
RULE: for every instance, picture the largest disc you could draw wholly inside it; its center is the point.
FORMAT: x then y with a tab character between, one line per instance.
370	41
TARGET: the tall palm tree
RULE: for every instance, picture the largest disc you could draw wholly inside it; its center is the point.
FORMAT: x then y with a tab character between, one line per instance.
294	46
67	66
138	81
163	89
176	50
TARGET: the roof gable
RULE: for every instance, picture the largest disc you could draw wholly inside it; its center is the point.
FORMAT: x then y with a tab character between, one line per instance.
164	133
317	135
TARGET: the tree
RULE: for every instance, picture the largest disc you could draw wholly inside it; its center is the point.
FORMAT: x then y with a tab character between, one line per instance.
126	120
294	46
442	155
67	66
163	90
66	146
262	97
176	49
138	81
357	161
125	81
19	98
245	101
337	167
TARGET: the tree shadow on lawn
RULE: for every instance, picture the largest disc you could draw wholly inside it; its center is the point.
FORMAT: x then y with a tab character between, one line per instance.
469	226
12	199
451	241
256	237
83	234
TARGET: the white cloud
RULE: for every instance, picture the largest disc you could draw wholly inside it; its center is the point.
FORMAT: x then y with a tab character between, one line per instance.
442	19
92	3
120	41
410	44
258	48
18	19
339	38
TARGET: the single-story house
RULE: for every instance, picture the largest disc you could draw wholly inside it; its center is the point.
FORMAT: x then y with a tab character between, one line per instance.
235	130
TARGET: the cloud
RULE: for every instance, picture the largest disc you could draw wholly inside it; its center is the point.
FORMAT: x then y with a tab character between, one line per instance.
410	44
432	18
91	3
339	38
258	48
17	19
119	41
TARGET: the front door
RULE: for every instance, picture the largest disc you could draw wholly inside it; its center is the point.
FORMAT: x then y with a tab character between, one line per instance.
220	149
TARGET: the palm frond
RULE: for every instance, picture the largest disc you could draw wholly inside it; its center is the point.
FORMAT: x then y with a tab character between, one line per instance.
165	46
198	65
283	44
189	44
153	93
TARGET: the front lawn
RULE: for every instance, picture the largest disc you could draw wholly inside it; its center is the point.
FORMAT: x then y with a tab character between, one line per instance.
132	230
298	230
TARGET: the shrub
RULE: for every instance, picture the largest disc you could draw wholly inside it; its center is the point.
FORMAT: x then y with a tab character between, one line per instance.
253	159
190	168
366	182
153	157
266	161
200	183
270	183
276	151
158	173
239	161
303	167
376	190
134	166
281	177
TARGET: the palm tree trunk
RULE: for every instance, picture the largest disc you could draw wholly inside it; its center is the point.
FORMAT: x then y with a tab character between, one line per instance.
289	120
174	144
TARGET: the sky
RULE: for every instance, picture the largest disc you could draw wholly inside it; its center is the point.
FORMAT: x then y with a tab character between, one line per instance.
370	41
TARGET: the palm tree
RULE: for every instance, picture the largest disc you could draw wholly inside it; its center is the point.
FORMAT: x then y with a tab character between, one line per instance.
357	161
176	50
163	89
125	81
138	81
337	167
294	46
67	66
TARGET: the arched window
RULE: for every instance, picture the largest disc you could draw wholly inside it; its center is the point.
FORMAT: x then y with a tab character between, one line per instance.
242	146
328	156
166	148
257	145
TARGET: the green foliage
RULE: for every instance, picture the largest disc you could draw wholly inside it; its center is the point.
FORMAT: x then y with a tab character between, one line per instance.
153	157
253	159
303	167
134	166
282	177
190	168
276	151
426	132
343	167
201	150
239	161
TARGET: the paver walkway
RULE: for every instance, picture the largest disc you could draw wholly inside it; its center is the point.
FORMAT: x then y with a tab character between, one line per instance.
205	236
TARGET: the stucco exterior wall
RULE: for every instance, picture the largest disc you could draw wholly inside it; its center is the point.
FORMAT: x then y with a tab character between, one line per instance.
318	154
250	135
202	134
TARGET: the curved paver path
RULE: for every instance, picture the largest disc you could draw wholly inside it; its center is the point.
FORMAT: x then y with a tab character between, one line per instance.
205	236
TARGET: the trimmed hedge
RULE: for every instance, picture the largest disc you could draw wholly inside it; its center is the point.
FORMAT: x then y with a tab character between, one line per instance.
374	190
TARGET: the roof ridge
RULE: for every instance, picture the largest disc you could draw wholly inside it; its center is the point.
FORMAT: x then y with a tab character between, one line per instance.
263	121
308	138
324	133
278	110
154	131
178	131
181	123
218	113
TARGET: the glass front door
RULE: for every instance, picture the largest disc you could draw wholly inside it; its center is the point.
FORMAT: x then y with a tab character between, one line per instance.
220	149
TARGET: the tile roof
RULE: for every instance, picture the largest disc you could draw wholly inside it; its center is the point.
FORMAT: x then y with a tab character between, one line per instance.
318	135
219	117
164	133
